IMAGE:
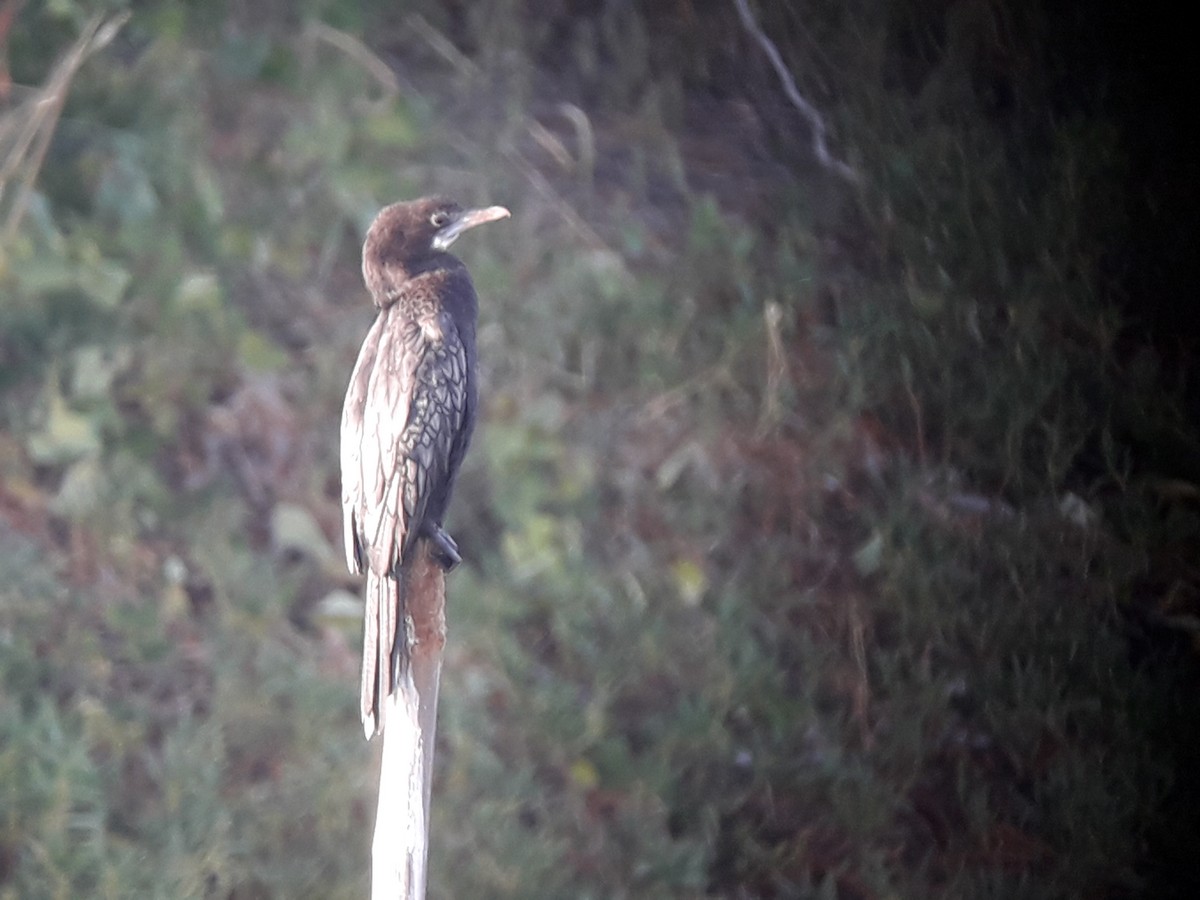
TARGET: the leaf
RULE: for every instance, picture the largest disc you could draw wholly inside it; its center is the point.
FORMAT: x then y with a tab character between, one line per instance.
321	139
926	303
690	580
260	354
869	557
294	528
1076	510
65	436
391	129
103	281
125	191
41	273
208	192
340	605
584	774
199	291
80	491
93	369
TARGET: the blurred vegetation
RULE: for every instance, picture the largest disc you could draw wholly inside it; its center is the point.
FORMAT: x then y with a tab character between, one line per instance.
824	540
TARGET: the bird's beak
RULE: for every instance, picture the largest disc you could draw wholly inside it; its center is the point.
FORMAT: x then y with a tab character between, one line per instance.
468	218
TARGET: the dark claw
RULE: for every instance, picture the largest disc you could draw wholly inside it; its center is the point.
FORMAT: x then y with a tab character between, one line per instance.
445	550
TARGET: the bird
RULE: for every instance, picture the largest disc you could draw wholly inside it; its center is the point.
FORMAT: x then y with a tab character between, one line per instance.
408	417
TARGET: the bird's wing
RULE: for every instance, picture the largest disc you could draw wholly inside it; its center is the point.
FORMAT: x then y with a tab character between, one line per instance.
353	474
376	409
391	392
436	420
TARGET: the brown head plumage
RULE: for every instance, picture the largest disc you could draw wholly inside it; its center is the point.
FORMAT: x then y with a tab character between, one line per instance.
406	238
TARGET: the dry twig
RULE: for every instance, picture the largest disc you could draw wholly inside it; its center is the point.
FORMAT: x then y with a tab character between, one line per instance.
26	138
360	53
820	150
779	373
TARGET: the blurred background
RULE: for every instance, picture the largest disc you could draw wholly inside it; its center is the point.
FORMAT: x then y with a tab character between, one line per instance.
831	529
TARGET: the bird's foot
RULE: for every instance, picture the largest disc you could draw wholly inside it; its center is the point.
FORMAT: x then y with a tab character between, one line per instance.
445	550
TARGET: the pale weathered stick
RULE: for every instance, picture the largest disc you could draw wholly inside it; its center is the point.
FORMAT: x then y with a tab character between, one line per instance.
28	150
400	850
815	120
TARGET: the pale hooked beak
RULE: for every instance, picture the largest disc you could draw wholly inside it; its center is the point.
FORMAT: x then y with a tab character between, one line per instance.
468	218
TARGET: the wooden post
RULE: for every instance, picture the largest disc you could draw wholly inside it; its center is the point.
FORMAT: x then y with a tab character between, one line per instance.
400	850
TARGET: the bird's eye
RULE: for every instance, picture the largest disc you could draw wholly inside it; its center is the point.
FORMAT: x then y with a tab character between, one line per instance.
439	218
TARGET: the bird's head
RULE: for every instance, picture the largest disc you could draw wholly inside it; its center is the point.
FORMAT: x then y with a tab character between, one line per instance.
405	236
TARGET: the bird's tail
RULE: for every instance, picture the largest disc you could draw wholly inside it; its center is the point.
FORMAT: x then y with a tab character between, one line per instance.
383	636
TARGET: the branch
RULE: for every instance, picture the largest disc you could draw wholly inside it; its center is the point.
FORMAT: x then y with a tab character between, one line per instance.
820	150
360	53
400	851
28	149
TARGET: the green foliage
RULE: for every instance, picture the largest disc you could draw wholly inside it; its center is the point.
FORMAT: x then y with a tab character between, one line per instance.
806	544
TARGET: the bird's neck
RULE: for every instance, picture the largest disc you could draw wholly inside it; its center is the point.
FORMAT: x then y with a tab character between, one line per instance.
415	278
429	279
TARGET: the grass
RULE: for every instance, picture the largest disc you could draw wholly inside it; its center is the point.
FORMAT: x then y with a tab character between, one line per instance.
815	545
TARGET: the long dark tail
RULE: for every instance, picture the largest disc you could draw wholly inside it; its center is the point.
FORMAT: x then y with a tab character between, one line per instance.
383	636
